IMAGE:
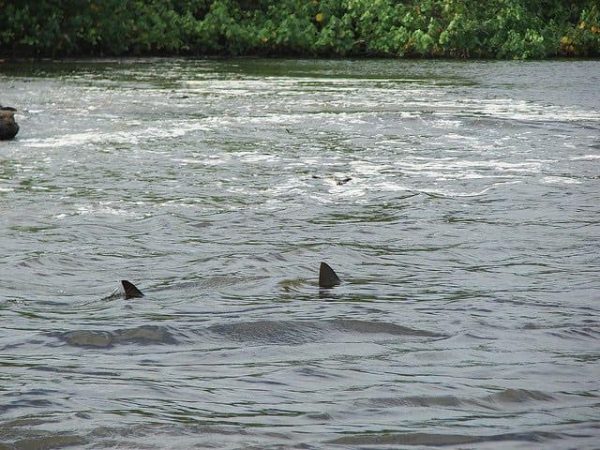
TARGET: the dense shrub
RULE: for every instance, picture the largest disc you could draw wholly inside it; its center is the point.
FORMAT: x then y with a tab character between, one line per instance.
393	28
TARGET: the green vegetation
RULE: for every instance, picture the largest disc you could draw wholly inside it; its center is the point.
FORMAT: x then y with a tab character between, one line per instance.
390	28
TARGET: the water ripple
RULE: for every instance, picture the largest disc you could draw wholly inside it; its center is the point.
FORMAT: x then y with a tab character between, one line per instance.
458	202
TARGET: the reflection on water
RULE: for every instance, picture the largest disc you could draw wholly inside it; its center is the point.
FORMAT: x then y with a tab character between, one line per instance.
458	202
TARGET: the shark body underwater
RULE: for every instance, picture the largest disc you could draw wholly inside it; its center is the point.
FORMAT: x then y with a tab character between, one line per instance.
327	279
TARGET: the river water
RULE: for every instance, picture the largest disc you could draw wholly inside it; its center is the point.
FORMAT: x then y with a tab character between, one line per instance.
459	202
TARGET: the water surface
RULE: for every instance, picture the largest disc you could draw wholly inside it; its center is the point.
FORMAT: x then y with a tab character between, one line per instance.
458	201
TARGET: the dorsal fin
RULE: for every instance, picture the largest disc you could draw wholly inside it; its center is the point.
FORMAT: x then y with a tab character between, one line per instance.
130	290
327	277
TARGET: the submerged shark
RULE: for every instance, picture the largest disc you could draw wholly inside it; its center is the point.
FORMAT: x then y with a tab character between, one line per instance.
327	279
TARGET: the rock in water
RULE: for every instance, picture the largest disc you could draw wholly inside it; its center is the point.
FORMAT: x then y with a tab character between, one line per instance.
8	127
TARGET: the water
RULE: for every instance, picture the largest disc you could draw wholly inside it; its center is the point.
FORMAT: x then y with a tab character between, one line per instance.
458	201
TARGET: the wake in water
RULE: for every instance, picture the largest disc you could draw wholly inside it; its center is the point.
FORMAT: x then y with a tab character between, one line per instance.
327	279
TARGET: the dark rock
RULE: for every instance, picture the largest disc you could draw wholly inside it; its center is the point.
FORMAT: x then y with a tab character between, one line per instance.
8	127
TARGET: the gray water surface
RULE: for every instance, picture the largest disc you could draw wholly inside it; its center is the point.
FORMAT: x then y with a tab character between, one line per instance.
458	201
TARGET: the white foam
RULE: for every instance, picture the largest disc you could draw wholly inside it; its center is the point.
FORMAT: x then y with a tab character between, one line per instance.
448	124
253	157
171	130
103	208
585	158
509	108
210	160
453	194
368	168
392	187
560	180
345	192
451	168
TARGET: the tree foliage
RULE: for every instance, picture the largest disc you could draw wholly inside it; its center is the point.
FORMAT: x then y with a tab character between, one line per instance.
391	28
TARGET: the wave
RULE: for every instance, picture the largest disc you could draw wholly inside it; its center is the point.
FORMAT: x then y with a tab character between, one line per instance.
432	439
495	401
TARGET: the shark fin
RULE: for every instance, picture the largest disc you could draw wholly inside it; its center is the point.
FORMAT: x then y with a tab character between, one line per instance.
327	277
130	290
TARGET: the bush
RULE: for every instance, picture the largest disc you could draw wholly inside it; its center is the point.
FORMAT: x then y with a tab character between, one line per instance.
392	28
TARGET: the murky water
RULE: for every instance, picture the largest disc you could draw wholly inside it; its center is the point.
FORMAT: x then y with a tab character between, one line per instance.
459	203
